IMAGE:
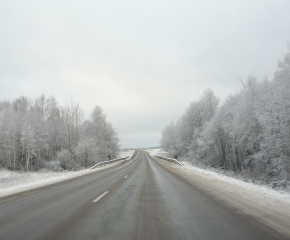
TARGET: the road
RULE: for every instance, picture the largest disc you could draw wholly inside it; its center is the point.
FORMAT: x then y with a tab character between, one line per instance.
138	199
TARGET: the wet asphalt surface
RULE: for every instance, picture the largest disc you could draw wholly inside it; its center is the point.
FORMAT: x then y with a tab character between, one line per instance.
141	200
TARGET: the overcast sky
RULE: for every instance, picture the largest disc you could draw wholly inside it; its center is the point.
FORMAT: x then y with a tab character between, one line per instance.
143	62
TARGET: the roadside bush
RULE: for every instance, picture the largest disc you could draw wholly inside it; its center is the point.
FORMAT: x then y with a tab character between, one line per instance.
66	161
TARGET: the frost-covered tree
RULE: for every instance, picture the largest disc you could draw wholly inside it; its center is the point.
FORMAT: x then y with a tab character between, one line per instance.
104	134
191	123
168	140
28	144
274	116
33	132
249	132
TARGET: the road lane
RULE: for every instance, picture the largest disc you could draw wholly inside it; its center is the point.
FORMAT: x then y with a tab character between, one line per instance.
150	203
41	211
198	216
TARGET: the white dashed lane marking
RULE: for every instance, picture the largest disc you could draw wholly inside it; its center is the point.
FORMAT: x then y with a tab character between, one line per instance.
99	197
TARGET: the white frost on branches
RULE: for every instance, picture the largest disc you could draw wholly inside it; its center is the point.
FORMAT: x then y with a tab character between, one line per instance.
36	132
249	132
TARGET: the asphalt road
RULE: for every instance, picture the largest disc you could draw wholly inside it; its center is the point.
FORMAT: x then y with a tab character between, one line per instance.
138	199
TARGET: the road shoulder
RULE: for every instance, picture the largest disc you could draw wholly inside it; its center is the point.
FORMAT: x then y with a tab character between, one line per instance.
275	214
35	184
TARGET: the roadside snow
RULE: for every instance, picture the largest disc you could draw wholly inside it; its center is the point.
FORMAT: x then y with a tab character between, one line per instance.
125	153
271	207
235	185
157	151
14	182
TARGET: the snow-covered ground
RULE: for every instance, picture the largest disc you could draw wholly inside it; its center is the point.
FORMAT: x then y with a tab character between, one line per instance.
13	182
272	207
125	153
232	185
269	206
157	151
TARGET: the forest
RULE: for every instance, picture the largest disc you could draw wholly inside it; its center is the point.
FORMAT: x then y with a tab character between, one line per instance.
39	133
248	133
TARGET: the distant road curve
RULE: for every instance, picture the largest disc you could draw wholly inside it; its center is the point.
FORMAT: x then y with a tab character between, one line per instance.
138	199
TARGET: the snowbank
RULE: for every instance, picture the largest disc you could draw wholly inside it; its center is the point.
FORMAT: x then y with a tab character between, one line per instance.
271	207
125	153
157	151
15	182
236	185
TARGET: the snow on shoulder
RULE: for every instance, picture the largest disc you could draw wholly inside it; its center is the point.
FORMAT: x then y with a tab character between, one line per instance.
12	182
157	151
268	206
126	152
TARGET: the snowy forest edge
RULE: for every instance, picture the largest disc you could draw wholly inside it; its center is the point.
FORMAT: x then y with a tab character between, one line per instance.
249	133
36	134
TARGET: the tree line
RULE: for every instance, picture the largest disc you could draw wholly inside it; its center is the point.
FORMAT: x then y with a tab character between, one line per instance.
34	133
248	133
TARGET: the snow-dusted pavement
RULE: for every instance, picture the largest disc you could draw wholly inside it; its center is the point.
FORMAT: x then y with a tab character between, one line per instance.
140	199
260	203
266	205
14	182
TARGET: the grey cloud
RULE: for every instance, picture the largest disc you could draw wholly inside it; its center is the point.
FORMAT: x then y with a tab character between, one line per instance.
143	62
